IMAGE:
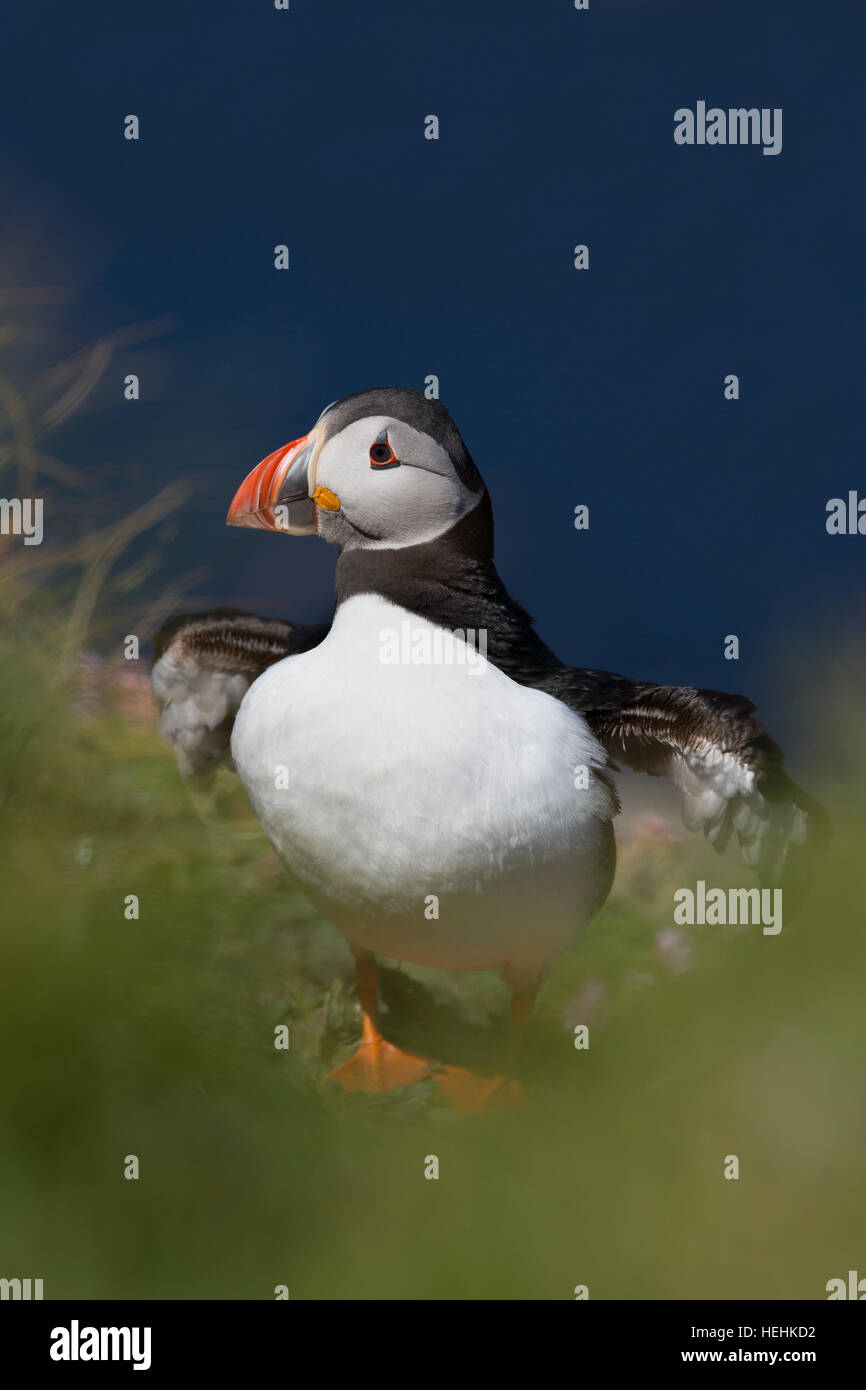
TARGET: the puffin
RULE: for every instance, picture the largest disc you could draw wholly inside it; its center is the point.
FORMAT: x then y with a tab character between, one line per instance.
434	779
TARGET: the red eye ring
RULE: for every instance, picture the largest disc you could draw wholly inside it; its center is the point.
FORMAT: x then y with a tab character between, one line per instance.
382	455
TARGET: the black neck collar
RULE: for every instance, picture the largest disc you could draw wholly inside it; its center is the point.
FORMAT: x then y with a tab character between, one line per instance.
452	582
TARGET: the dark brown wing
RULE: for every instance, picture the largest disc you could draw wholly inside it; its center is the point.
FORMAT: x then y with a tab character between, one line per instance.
728	769
204	663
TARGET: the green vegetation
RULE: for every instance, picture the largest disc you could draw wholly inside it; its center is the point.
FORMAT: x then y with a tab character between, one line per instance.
155	1037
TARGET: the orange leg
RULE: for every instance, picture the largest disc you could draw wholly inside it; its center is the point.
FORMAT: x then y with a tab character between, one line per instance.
492	1095
522	1004
377	1065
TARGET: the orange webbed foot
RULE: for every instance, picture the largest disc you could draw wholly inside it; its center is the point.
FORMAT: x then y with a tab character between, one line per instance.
378	1066
469	1094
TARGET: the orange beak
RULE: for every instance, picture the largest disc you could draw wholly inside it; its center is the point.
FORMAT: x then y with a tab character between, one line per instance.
276	495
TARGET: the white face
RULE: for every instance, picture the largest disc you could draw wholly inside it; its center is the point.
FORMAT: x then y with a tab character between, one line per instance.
404	492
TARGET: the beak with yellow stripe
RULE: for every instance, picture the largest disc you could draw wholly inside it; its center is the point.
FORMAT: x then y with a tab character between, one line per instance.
280	494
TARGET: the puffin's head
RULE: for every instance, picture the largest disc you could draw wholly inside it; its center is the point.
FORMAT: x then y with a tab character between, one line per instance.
380	469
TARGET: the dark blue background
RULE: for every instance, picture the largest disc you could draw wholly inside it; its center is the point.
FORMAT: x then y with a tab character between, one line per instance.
454	257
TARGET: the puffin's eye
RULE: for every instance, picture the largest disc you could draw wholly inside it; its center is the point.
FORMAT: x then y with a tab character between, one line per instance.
382	455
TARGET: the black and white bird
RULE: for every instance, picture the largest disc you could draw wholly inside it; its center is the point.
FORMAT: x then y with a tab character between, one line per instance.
427	748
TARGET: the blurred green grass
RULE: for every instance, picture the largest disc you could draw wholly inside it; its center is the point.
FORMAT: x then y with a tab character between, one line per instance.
155	1037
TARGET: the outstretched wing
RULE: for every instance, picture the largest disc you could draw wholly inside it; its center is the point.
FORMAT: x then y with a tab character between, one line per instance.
729	772
204	663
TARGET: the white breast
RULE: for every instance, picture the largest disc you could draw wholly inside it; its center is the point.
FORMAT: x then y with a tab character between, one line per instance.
381	781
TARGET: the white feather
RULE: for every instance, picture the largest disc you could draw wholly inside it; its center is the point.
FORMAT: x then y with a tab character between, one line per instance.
193	703
719	795
404	781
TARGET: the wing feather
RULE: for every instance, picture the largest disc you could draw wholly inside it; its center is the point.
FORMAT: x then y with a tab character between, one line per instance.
728	770
204	664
